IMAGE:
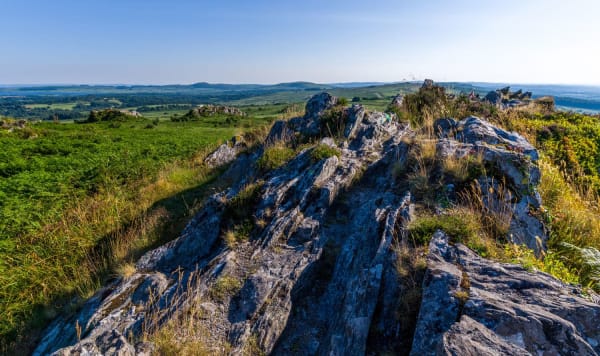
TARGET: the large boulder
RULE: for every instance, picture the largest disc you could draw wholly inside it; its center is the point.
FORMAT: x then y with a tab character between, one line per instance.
310	124
493	97
474	306
474	130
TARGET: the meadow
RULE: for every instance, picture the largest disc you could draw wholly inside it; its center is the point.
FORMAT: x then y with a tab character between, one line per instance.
79	202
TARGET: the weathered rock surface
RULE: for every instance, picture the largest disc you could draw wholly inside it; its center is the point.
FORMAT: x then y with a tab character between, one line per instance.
317	273
493	97
510	155
226	153
309	125
473	306
507	99
397	101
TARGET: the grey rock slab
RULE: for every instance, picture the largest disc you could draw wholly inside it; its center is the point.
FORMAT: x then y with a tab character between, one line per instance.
509	310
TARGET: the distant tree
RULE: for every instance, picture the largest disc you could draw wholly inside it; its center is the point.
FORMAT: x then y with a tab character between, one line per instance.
93	117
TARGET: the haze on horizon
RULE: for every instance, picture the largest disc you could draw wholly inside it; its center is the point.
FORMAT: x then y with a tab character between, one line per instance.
235	41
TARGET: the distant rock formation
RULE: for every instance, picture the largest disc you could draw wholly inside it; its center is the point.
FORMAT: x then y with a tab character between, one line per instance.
210	110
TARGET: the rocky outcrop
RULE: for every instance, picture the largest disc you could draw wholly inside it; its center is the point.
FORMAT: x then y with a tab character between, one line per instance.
509	156
225	153
473	306
210	110
309	124
506	98
303	259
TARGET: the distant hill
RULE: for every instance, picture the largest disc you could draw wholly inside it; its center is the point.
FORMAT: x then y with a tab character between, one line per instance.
569	97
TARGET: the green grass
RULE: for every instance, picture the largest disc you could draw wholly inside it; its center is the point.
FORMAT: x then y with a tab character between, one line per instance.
54	106
459	229
323	151
225	287
274	157
77	201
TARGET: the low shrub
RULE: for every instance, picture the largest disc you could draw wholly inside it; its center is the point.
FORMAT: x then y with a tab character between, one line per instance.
333	121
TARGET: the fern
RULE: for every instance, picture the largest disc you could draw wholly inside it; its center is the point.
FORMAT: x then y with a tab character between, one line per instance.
587	261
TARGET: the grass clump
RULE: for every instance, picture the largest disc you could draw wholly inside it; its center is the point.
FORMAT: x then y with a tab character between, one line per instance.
238	222
323	151
456	226
574	220
464	169
333	120
552	262
185	332
420	166
225	287
275	156
411	265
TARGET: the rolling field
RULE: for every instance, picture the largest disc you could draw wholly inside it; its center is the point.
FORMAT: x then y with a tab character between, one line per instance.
80	202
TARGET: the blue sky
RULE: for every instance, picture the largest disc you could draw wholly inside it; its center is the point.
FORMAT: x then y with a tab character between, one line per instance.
181	41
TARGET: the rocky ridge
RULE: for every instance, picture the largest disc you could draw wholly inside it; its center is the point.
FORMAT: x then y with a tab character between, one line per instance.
317	272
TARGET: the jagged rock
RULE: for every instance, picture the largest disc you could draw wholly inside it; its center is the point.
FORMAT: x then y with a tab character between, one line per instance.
444	128
482	307
473	130
356	113
493	97
310	125
470	338
397	101
226	153
280	132
516	95
111	342
515	159
545	103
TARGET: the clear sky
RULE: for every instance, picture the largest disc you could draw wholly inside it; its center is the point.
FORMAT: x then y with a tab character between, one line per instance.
254	41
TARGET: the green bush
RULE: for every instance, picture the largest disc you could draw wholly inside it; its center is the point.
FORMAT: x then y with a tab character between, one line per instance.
333	121
427	102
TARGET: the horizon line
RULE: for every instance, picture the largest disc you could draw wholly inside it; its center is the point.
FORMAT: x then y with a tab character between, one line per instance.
26	85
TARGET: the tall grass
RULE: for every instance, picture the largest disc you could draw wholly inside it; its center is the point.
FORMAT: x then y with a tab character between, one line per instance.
95	238
574	219
184	332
